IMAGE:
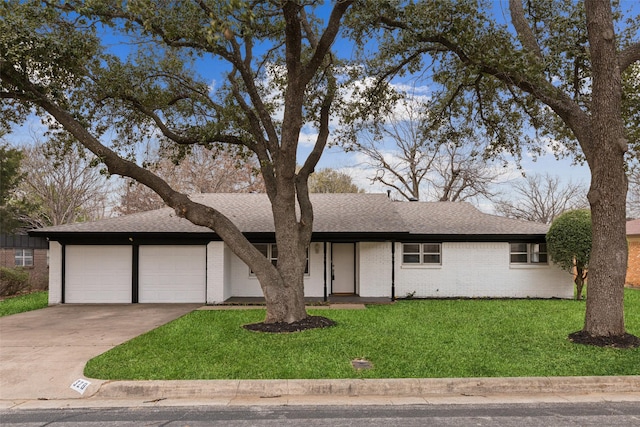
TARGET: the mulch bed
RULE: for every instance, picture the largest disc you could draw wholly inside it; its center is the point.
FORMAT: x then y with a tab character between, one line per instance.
624	341
310	322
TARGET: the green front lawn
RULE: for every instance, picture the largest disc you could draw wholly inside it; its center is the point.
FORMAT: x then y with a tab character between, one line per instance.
432	338
28	302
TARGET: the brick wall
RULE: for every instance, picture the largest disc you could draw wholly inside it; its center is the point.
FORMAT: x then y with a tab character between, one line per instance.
633	269
38	274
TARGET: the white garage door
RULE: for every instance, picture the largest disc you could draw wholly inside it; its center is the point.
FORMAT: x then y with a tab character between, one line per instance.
172	274
98	274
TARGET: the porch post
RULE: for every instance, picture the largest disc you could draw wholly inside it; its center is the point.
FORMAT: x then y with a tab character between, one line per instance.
393	270
324	248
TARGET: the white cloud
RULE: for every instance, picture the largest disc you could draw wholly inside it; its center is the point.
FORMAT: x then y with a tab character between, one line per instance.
212	87
308	136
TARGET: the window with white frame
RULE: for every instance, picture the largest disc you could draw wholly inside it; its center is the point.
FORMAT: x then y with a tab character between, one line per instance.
422	253
24	257
528	253
270	251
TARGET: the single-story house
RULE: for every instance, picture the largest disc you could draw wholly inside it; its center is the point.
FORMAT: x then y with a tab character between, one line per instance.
362	244
633	266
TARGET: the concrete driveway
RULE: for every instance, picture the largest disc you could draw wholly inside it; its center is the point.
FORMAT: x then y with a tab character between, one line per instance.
43	352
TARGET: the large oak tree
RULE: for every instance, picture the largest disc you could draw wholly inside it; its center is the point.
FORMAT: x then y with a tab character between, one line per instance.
277	67
559	67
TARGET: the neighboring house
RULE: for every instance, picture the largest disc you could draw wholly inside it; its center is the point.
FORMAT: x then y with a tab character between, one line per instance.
30	253
363	244
633	267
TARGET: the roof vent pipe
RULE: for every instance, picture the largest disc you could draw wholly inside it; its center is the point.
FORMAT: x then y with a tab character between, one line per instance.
413	199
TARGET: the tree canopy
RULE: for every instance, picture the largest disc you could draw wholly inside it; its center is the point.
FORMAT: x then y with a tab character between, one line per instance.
329	180
10	177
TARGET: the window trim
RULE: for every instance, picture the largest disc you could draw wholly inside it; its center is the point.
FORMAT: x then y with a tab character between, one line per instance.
20	257
421	254
530	252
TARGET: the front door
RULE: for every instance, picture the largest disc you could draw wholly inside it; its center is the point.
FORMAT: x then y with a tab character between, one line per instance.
343	268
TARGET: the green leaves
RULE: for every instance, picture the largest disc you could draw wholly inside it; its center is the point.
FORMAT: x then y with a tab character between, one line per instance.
10	177
38	43
569	239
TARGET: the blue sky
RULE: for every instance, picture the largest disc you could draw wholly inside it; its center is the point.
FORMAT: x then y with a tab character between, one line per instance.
352	163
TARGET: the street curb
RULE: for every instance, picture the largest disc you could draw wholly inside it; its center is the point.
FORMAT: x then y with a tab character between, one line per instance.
418	387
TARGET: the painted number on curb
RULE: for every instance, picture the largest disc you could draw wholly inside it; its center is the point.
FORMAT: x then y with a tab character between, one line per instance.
80	385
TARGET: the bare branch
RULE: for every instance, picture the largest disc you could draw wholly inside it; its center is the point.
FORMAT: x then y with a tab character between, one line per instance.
541	198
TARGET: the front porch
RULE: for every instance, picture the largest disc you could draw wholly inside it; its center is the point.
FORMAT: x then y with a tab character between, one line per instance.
311	301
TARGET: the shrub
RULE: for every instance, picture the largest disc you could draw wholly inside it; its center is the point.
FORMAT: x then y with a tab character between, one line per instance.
569	244
13	281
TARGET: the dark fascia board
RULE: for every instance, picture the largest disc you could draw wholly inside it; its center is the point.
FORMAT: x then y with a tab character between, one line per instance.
23	241
204	238
131	238
511	238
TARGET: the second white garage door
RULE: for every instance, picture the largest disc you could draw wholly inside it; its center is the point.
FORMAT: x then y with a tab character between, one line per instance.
172	274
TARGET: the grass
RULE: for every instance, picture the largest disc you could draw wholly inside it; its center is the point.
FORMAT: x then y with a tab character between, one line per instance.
22	303
431	338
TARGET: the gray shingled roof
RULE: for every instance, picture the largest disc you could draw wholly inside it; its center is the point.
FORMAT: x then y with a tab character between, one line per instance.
633	227
333	213
451	218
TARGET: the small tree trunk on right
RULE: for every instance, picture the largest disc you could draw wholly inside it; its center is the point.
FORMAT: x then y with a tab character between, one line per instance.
579	281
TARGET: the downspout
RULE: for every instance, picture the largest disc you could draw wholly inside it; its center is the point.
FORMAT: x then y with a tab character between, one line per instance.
393	270
324	248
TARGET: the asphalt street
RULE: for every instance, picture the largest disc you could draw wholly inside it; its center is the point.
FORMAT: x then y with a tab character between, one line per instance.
507	415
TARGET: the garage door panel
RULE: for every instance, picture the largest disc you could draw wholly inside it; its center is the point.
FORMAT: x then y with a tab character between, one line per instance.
172	274
98	274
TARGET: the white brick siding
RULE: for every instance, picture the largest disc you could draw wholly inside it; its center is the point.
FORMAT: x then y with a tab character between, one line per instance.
55	273
216	273
374	260
480	270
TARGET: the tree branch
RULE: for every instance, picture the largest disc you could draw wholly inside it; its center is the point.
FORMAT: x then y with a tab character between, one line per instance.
525	35
181	139
326	40
628	56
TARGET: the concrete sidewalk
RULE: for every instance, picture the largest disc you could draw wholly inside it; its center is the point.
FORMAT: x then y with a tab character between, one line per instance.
43	352
346	392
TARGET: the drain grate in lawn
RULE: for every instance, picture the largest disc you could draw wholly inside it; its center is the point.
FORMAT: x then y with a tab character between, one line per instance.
359	364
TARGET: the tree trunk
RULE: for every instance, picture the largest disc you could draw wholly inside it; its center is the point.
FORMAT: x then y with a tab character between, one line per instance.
608	260
285	299
284	294
608	191
579	281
